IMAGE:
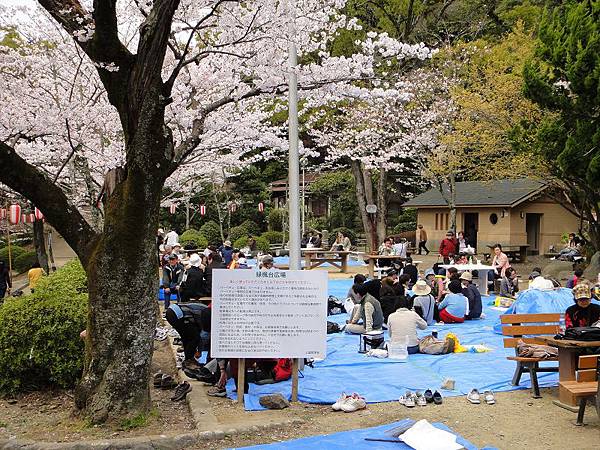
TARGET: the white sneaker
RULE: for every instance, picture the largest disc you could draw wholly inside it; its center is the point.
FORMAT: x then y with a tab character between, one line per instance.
337	406
354	403
489	398
410	401
474	396
421	400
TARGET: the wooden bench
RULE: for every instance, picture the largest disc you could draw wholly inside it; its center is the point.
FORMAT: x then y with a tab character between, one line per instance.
586	384
526	327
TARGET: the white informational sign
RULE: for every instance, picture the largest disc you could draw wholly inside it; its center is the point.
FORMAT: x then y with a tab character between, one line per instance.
269	314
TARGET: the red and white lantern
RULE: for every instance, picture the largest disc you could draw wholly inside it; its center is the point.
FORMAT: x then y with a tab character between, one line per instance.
2	213
30	218
23	218
232	207
15	214
261	207
173	208
202	210
38	214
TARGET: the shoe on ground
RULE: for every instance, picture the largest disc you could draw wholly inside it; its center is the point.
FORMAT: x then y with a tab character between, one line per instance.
428	396
217	391
489	398
421	401
157	378
167	382
411	400
337	406
181	391
192	364
354	403
437	398
474	397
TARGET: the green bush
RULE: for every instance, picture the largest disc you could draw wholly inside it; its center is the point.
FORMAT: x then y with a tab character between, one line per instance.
39	333
212	232
25	261
274	237
15	252
238	232
405	226
261	243
275	219
193	237
252	227
347	232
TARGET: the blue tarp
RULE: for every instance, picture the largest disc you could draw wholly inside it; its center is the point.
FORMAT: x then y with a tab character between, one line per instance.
355	439
381	380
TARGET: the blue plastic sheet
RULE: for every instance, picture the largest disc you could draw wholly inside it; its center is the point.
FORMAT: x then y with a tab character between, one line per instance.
355	439
381	380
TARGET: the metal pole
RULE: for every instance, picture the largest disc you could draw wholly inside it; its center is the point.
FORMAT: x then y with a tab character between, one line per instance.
303	200
294	157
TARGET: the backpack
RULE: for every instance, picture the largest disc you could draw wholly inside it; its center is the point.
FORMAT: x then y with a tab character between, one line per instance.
332	327
283	369
334	306
433	346
583	334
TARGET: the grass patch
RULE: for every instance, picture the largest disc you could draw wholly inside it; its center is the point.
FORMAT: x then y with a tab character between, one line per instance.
141	420
3	424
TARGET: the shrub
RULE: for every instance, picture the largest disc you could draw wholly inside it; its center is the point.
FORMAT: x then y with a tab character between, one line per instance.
316	224
405	226
347	232
39	333
193	237
238	232
212	232
261	243
252	227
275	219
25	261
15	252
274	237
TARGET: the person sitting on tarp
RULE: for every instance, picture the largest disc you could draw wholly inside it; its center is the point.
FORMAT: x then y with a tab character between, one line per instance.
423	301
404	322
410	270
368	311
509	283
454	306
473	295
388	297
583	313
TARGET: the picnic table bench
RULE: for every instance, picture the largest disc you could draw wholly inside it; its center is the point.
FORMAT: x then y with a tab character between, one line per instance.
314	258
586	384
529	328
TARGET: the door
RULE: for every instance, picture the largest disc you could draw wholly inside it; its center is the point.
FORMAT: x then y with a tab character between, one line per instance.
471	225
532	228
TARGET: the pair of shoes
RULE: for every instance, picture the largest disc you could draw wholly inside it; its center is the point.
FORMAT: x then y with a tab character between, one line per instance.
409	399
421	400
167	382
475	397
434	397
349	403
217	391
181	391
191	364
157	379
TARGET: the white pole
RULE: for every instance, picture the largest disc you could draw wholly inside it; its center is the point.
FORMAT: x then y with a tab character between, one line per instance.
294	157
303	200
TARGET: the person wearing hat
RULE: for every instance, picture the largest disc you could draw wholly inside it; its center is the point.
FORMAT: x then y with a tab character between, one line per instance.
172	278
583	313
454	306
266	262
473	295
436	283
423	301
226	252
194	285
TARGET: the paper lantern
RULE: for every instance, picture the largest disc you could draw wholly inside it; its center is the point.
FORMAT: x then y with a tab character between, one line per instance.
261	207
232	207
38	214
172	208
30	218
15	214
2	213
202	210
23	218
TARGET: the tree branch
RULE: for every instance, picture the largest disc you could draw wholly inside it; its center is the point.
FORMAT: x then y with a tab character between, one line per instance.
24	178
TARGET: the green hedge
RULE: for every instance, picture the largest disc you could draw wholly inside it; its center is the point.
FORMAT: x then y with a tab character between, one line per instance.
39	333
274	237
25	261
261	243
405	226
252	227
193	237
238	232
15	251
211	231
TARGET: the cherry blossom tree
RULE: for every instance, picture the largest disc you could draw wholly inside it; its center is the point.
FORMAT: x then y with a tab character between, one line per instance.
136	93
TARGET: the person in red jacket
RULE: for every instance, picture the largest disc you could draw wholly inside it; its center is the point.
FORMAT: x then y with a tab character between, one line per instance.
448	247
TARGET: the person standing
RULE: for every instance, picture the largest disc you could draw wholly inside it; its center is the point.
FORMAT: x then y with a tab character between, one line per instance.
171	238
5	283
448	247
422	238
34	274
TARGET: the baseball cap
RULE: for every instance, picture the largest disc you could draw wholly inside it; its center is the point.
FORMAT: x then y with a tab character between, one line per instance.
582	291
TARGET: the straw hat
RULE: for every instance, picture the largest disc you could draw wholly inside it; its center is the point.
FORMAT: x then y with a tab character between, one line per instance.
421	288
466	276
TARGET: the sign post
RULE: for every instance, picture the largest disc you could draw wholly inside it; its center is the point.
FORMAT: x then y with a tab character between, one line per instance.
268	314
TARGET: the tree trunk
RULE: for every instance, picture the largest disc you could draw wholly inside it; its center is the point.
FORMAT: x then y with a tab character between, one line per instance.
39	243
122	297
382	204
452	203
364	193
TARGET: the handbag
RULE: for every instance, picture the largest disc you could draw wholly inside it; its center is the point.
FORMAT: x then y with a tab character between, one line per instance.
583	334
433	346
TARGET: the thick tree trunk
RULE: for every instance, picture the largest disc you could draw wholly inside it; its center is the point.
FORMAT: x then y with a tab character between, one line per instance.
39	242
382	204
452	203
364	196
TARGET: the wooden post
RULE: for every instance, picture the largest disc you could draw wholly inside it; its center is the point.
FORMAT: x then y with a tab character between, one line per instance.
8	244
295	364
241	380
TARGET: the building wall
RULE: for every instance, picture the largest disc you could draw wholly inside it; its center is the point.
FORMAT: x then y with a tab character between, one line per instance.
509	230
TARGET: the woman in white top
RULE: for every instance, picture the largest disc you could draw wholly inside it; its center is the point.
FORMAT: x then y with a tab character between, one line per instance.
404	322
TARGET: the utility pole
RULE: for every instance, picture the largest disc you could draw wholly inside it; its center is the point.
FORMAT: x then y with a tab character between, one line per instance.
294	157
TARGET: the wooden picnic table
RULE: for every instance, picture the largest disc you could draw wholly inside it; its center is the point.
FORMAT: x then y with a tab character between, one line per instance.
517	253
568	353
313	258
371	259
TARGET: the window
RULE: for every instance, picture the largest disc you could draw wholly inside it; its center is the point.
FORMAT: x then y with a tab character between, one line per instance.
493	218
442	221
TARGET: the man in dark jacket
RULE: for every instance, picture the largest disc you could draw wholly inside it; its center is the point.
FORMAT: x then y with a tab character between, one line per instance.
194	286
470	291
5	283
214	262
171	279
226	251
188	320
410	270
